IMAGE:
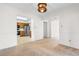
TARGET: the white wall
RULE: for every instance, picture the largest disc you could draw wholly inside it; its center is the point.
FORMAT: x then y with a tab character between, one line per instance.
69	25
8	37
8	29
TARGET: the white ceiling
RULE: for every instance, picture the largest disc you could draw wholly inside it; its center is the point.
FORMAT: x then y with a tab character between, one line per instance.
21	6
28	6
32	7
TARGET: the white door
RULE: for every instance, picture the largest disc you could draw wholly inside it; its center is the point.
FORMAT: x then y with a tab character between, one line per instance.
55	29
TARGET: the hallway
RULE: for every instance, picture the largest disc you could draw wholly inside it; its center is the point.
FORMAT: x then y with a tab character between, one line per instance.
44	47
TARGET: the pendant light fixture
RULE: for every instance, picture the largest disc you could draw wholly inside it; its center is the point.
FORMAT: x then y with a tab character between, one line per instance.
42	7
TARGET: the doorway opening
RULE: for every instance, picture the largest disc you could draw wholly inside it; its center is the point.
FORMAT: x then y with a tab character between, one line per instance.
45	29
23	30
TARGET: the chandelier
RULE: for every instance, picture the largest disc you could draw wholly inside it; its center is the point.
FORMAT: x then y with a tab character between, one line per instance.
42	7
